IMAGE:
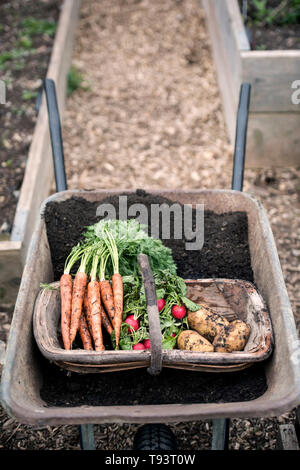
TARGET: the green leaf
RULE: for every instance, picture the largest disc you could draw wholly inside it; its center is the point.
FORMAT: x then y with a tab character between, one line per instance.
29	95
169	342
33	26
48	286
190	305
160	293
181	285
129	280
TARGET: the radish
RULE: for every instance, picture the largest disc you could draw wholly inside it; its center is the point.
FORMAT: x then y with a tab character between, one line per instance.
130	320
178	311
138	347
160	304
146	343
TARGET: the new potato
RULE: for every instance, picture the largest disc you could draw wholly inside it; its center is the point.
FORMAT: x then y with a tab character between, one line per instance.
206	323
233	337
193	341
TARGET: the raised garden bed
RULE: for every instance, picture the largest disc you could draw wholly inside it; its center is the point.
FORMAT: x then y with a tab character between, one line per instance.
29	180
273	136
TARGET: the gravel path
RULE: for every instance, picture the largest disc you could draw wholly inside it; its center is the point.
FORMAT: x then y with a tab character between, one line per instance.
152	118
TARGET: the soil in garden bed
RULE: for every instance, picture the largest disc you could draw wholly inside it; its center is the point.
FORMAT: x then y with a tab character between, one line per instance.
27	31
274	25
275	38
225	254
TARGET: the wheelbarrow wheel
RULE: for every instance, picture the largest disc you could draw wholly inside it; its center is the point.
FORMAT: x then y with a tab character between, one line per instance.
154	437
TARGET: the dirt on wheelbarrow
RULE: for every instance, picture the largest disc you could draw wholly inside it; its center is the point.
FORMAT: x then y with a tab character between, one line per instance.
225	253
137	387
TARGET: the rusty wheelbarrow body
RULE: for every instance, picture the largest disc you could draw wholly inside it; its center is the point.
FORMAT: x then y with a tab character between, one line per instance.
22	374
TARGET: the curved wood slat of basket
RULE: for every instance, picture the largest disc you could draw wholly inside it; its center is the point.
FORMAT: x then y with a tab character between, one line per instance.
103	368
46	330
96	369
210	368
234	298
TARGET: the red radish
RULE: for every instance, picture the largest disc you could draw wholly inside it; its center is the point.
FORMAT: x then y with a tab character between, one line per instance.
138	347
178	311
146	343
160	304
132	322
173	334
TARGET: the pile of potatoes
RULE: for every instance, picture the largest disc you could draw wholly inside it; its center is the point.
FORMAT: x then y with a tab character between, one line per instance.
210	332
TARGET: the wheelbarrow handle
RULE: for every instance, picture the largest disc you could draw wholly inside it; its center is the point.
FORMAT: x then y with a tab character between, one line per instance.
55	135
241	138
153	316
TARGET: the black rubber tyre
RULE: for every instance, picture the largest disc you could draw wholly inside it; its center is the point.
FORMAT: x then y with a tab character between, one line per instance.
154	437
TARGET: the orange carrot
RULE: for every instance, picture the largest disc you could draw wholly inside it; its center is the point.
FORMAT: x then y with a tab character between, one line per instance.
105	321
87	312
85	334
106	290
94	304
66	286
79	287
117	285
107	298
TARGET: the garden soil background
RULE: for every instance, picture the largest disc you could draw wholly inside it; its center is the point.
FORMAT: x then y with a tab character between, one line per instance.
27	30
148	115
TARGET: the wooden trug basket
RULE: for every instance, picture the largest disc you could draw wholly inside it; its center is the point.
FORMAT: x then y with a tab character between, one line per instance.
232	298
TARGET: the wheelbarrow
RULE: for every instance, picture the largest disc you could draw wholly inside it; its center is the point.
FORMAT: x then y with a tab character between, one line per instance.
22	373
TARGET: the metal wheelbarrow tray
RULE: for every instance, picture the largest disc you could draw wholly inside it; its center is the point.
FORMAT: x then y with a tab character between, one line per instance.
22	374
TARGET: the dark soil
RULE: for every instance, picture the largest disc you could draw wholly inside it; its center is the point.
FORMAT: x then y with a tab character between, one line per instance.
282	33
275	38
137	387
225	254
24	57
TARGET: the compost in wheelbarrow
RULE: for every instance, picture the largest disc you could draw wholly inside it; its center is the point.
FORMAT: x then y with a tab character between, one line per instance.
225	254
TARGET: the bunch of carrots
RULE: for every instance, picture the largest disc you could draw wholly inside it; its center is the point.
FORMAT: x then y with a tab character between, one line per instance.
90	301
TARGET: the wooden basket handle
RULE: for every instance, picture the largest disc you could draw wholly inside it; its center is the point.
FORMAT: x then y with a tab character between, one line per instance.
153	316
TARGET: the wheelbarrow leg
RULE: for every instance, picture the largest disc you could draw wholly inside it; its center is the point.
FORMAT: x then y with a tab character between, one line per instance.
55	136
240	138
220	435
87	439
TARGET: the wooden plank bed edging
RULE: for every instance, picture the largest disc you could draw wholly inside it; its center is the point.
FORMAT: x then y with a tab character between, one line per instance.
273	136
39	176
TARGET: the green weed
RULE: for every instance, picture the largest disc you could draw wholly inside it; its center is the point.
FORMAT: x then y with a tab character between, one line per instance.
285	13
33	27
29	95
23	45
75	81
